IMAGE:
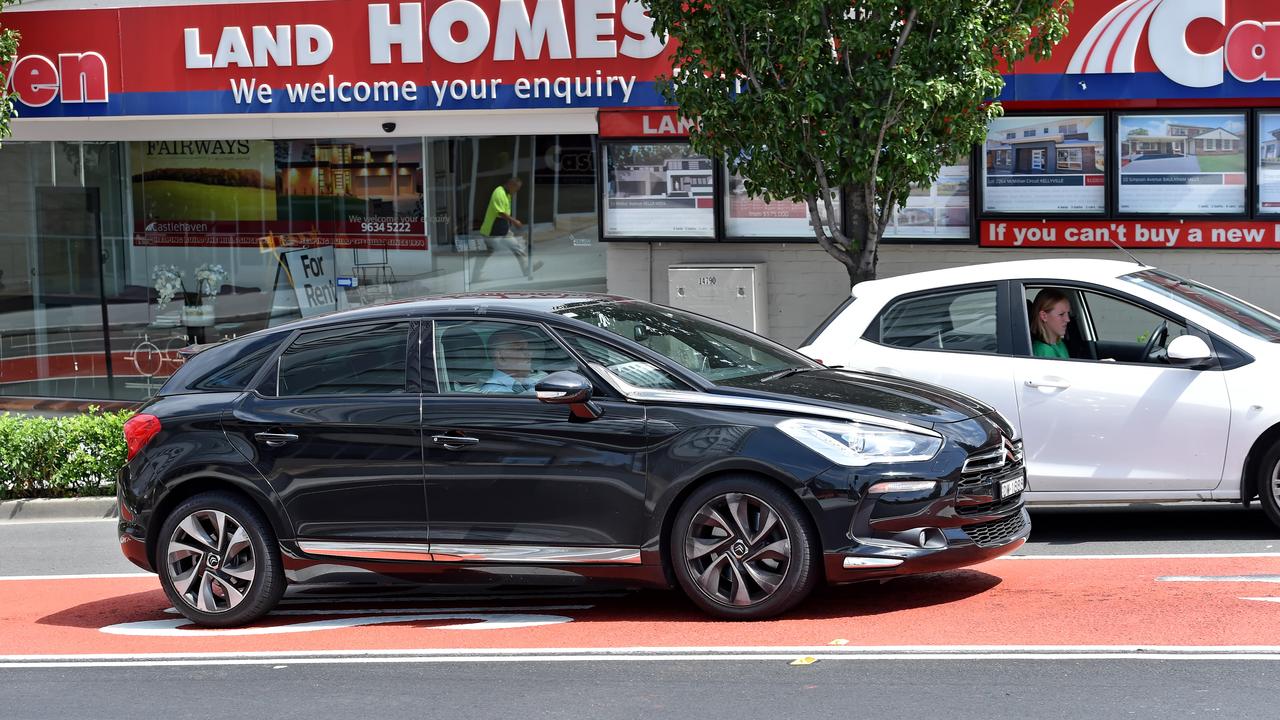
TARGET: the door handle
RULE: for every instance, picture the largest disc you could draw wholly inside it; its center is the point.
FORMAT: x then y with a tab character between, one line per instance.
1051	384
454	442
275	439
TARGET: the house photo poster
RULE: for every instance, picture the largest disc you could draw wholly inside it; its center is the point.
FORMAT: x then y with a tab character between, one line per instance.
1182	164
1045	164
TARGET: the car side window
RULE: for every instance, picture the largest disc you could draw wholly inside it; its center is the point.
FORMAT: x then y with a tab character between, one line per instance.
496	358
349	360
635	370
1123	330
958	321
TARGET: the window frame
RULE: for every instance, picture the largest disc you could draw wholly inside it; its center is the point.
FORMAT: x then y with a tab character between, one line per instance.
266	384
439	389
1022	340
1004	344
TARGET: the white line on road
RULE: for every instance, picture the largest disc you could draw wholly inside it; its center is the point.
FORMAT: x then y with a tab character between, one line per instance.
77	577
943	652
1150	556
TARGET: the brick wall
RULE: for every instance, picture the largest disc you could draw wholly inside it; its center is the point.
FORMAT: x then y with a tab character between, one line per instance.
805	283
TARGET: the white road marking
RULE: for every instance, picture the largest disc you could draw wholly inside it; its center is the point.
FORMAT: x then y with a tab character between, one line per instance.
90	576
182	627
701	654
1149	556
1220	578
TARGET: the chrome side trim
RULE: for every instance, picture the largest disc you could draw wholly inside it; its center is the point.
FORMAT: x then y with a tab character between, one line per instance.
857	563
689	397
407	552
422	552
533	554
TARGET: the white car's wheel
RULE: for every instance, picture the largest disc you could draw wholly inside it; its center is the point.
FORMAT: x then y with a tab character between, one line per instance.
1269	484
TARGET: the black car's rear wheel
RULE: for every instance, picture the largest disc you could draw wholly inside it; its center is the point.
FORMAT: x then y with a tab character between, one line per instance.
219	561
741	549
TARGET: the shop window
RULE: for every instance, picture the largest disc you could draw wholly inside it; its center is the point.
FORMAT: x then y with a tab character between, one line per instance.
940	210
1267	169
1182	164
749	216
656	190
1062	173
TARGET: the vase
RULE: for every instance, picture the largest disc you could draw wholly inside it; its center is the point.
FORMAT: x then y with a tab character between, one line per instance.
198	312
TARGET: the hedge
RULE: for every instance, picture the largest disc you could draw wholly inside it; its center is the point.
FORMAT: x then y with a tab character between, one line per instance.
61	456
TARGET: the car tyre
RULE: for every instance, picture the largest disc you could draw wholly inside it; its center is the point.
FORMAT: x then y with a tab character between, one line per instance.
1269	484
742	549
219	560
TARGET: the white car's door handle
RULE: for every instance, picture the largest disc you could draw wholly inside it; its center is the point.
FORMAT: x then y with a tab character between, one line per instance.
887	371
1051	384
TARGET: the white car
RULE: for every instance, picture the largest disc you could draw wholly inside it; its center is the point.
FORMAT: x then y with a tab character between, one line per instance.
1170	392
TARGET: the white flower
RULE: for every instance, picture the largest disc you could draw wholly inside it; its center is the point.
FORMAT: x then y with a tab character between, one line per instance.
209	277
167	280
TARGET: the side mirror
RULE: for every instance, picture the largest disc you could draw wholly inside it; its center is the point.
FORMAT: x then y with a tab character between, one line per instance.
568	388
1189	351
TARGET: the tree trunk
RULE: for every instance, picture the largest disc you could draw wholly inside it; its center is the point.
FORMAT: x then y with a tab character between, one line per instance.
864	235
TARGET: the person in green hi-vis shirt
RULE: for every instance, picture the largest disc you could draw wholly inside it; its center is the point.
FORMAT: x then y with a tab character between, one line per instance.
499	227
1050	313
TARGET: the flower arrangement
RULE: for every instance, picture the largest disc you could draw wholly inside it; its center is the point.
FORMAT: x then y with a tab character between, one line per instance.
209	278
167	280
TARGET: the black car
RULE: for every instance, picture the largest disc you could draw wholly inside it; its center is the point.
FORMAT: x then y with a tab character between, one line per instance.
552	438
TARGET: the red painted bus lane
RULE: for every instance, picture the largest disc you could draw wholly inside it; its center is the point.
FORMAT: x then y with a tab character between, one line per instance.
1223	601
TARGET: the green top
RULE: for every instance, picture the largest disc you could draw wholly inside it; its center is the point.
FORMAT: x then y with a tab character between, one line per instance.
499	202
1045	350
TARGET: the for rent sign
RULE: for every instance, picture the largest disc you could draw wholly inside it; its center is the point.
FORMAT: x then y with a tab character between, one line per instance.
1213	235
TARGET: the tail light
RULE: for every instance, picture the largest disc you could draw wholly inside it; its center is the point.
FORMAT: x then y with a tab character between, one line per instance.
138	431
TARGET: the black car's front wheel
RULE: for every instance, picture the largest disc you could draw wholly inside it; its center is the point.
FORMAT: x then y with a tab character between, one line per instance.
219	561
741	549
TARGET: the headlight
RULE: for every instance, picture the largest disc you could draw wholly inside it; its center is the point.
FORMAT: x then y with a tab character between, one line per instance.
855	444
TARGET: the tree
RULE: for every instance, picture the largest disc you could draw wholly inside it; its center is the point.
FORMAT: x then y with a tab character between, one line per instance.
807	96
8	49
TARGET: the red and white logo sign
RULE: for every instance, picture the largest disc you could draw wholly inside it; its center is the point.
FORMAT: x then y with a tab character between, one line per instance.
76	77
1250	50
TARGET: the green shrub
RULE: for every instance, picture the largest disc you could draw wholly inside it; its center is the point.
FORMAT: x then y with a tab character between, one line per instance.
61	457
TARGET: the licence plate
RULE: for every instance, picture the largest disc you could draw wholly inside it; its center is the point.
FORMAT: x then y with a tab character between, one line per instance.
1013	486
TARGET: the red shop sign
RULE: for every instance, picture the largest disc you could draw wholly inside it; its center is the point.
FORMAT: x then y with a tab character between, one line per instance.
1205	234
643	123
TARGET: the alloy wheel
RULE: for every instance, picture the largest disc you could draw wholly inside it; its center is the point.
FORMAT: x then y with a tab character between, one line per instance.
210	561
737	549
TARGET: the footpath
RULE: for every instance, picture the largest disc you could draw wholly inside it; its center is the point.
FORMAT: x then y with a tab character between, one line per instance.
41	510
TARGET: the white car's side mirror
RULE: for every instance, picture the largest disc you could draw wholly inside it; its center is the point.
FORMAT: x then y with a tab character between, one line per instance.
1189	350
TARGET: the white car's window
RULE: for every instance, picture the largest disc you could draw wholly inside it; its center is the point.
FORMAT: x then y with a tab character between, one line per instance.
1117	322
1108	329
957	321
1236	313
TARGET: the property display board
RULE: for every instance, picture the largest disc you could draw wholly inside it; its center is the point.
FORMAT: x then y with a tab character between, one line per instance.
657	190
1045	164
939	210
1193	164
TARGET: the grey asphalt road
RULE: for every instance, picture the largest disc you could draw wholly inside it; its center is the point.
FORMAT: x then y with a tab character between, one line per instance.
609	689
617	690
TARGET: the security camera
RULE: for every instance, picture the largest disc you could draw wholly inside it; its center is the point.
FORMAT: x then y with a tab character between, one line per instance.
388	127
